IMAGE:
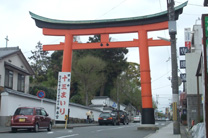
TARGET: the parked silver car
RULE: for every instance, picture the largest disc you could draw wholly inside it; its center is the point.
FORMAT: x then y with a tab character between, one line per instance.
137	118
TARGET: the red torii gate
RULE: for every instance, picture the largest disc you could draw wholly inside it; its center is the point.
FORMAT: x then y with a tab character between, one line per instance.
140	25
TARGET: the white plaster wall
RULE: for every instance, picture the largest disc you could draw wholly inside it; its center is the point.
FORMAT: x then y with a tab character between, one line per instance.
98	101
192	60
10	102
106	101
4	104
2	72
16	61
110	102
122	107
27	84
77	112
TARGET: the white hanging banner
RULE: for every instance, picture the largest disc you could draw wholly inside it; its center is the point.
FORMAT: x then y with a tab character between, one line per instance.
187	32
63	93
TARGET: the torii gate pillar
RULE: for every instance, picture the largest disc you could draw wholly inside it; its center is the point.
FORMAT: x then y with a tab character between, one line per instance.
67	54
147	110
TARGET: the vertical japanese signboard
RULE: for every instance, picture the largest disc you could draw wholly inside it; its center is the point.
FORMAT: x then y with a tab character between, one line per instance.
63	93
183	51
205	36
205	48
182	64
187	32
183	77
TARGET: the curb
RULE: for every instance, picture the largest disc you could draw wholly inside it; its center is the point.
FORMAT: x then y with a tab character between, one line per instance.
72	126
5	131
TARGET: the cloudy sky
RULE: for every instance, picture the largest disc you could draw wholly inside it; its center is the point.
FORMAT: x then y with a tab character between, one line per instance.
21	30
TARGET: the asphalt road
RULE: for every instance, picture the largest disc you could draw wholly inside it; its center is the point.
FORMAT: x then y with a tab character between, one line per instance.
105	131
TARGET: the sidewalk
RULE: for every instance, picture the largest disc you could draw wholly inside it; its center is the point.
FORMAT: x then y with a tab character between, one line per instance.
165	132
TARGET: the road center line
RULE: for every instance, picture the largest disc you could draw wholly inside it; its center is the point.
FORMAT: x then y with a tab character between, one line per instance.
68	136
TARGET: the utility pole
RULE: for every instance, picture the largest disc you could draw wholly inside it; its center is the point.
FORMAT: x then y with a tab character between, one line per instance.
172	33
117	93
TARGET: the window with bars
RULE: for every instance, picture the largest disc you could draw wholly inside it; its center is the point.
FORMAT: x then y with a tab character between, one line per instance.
21	83
8	78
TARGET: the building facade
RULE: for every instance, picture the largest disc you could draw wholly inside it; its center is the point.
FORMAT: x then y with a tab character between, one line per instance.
15	70
194	83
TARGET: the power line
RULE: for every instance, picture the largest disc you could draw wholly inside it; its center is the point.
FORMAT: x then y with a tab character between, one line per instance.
161	76
162	87
112	8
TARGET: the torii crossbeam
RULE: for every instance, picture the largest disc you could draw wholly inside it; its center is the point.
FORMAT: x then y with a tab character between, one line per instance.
141	25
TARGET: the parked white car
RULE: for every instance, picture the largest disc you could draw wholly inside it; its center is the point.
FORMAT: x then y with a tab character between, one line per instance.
137	118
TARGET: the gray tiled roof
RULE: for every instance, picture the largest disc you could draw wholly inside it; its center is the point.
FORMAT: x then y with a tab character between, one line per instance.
101	97
8	51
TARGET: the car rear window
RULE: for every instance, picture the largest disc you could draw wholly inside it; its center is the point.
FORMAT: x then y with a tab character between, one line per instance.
105	115
24	111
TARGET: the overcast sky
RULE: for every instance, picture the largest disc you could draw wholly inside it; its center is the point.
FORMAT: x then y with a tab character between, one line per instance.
21	30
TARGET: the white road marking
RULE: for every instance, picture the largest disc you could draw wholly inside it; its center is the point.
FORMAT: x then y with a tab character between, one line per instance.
68	136
162	124
70	131
50	132
99	130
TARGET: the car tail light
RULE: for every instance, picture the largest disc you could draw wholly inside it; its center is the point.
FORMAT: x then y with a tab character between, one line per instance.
110	118
100	118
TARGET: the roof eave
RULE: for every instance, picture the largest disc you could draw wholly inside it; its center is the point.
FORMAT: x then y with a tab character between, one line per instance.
43	22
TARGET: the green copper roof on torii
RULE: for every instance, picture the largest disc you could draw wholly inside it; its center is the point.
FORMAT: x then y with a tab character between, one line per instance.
43	22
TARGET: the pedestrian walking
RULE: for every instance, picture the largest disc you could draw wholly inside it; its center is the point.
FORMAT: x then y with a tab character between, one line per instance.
88	116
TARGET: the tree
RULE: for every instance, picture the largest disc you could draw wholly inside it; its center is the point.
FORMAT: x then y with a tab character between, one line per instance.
39	63
88	71
50	93
43	78
127	88
115	63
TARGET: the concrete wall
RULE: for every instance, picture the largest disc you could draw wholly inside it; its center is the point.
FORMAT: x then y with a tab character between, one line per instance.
10	102
192	60
192	109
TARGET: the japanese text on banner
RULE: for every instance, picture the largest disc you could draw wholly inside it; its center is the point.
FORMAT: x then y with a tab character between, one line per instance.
63	93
